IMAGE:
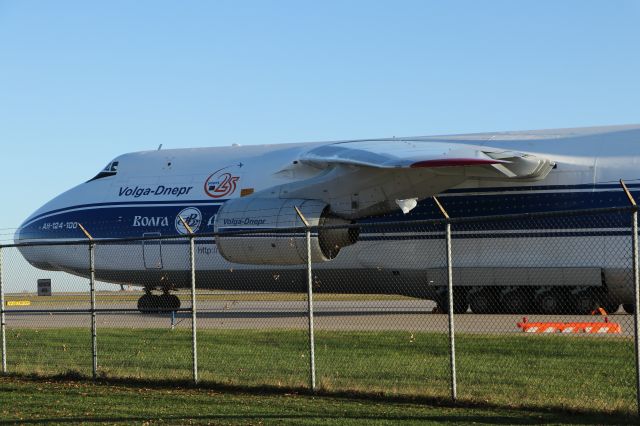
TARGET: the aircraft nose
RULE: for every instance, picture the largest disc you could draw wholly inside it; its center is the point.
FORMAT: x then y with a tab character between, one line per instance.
22	234
17	238
37	256
39	224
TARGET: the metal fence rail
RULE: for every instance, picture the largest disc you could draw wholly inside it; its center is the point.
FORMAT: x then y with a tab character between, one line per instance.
487	308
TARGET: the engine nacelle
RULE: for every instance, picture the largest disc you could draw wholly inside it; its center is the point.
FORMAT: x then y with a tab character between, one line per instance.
278	248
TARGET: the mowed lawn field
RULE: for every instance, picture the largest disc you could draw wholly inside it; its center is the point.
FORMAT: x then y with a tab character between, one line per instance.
46	401
585	374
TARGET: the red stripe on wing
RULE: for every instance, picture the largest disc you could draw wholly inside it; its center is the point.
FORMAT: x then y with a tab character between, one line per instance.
453	162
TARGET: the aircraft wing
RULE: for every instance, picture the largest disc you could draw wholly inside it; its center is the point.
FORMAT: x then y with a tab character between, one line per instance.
467	160
365	178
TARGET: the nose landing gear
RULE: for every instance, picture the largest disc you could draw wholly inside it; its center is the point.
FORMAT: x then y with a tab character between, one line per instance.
151	303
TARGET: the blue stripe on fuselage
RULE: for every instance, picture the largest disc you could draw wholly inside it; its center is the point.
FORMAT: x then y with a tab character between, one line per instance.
129	204
118	219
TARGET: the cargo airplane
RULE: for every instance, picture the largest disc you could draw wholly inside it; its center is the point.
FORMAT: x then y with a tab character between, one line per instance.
359	183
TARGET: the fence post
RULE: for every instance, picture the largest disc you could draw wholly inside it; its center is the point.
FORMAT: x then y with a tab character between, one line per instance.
92	290
3	323
452	337
194	327
312	344
636	288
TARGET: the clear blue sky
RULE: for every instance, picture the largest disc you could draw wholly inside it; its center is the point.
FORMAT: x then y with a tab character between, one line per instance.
82	82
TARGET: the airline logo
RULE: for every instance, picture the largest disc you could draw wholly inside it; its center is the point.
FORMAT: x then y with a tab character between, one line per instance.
160	190
150	221
221	183
192	216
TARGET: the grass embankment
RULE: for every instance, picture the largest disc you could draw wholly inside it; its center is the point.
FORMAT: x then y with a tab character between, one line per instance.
589	374
26	401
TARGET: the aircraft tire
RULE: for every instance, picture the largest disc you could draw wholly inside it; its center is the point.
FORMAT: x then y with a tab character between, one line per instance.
610	307
584	303
460	304
170	302
515	301
484	301
628	308
551	303
148	303
607	303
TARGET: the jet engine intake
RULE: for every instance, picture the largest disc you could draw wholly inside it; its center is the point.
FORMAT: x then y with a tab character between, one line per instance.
257	231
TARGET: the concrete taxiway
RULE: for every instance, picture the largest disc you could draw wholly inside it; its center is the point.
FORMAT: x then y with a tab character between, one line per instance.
351	315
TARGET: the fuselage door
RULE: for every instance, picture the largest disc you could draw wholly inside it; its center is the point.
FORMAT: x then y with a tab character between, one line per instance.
152	251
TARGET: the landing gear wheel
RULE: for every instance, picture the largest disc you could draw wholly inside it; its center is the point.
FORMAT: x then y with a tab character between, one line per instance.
460	304
550	303
484	301
169	302
148	303
607	303
610	307
515	301
628	308
585	303
175	304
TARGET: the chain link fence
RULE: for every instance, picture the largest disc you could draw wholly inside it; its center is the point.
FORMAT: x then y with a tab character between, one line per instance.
541	311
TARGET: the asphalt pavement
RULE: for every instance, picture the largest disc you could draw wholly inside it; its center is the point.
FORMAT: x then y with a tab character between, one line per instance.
352	315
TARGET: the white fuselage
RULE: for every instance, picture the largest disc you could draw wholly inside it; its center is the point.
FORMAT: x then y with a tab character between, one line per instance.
142	194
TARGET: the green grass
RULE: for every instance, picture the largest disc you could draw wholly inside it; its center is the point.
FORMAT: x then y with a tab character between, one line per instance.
561	372
43	401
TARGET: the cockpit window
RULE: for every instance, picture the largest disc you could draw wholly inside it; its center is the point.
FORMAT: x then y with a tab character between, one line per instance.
110	170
